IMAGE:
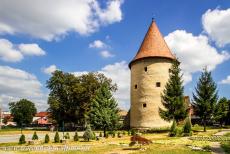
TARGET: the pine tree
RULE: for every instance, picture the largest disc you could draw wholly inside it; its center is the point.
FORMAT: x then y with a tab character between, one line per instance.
22	139
187	129
104	110
76	138
47	138
56	138
88	134
221	111
173	96
35	136
205	97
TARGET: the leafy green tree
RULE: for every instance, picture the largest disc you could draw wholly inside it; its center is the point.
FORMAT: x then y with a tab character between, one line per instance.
228	114
88	134
35	136
22	111
173	96
22	139
47	138
221	111
187	129
76	138
56	138
205	97
104	110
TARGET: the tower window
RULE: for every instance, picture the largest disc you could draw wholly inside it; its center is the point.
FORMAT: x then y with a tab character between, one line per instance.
144	105
135	86
158	84
146	69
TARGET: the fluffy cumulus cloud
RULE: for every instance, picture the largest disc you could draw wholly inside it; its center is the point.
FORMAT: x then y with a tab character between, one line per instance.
16	84
10	52
36	19
216	24
106	54
225	81
49	70
194	52
120	74
97	44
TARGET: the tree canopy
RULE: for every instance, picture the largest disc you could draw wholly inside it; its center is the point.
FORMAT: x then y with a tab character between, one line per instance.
205	97
221	111
23	111
70	96
173	96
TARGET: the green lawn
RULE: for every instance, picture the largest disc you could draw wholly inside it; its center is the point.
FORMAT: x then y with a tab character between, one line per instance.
226	145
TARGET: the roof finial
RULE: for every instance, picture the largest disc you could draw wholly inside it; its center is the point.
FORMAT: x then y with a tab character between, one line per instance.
153	18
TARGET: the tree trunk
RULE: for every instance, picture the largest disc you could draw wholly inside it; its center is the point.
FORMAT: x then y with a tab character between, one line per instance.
204	124
104	132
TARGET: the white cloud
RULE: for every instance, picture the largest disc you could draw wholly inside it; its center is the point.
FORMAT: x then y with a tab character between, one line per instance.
225	81
106	54
97	44
216	24
17	84
51	19
31	49
10	52
194	52
49	70
120	74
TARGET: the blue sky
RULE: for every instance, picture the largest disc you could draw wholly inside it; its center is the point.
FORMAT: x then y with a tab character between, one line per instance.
80	36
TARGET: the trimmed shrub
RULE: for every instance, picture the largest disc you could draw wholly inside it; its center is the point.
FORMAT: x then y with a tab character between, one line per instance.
56	138
113	134
106	135
67	136
100	134
173	130
129	133
88	134
94	136
35	136
47	138
133	132
124	133
22	139
119	134
187	129
76	138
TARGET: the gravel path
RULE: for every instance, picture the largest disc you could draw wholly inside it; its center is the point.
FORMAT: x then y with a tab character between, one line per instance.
216	147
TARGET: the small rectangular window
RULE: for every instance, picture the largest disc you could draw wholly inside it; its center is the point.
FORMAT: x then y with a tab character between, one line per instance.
135	86
144	105
146	69
158	84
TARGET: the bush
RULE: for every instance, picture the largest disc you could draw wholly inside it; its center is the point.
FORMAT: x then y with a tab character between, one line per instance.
173	129
133	132
187	129
124	133
56	138
113	134
88	134
47	138
67	136
35	136
106	135
100	134
94	136
22	139
76	138
119	134
129	133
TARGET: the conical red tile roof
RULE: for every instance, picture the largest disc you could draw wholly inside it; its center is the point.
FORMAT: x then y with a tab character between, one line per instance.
153	45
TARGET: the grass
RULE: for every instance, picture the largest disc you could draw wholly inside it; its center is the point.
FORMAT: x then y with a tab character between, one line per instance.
226	145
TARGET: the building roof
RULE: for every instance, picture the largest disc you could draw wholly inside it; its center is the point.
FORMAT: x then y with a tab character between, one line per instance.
153	45
41	114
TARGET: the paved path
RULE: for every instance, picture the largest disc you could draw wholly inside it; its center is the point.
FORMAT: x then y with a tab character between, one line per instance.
216	147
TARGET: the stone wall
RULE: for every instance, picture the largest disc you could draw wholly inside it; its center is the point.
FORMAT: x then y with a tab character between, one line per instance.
146	96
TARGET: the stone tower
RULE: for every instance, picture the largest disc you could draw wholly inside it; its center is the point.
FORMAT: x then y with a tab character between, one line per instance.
149	74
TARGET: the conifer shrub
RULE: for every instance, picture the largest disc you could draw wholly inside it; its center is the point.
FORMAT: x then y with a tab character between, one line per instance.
133	132
106	135
129	133
100	134
76	138
47	138
67	136
22	139
113	134
173	129
124	133
119	135
56	138
88	134
35	136
187	129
